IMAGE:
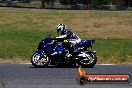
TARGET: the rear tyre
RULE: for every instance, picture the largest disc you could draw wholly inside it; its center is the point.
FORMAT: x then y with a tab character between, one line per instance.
39	60
88	61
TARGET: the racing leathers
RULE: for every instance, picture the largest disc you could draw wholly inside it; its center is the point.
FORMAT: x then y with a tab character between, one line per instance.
71	37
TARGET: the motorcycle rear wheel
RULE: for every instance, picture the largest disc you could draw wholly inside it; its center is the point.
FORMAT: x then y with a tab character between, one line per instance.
89	61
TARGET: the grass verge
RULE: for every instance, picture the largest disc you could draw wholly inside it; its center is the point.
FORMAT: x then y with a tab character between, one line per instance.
22	29
22	44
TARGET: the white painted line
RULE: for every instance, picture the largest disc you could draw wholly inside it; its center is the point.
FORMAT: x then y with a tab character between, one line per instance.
105	64
25	63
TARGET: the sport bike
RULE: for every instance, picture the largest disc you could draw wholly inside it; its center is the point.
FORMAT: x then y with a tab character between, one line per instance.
59	52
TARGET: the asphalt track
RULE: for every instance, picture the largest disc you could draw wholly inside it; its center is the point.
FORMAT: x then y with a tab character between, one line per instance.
26	76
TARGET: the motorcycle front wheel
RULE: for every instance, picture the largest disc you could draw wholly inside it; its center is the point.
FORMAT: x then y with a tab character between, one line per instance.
39	60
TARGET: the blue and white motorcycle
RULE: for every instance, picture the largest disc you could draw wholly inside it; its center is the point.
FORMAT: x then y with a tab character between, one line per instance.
60	52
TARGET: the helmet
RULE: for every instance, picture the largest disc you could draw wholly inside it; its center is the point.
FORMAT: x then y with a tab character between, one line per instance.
61	28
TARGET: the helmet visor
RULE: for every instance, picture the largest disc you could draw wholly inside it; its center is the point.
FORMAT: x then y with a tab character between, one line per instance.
58	30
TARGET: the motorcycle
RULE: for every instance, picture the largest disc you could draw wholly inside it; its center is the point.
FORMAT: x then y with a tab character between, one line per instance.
58	52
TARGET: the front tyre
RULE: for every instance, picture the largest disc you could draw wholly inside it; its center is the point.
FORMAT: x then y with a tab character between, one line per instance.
88	59
39	60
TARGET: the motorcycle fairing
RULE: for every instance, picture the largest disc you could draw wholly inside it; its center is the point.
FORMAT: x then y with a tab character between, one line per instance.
84	43
40	52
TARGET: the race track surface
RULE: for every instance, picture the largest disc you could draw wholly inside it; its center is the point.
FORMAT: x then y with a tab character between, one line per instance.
26	76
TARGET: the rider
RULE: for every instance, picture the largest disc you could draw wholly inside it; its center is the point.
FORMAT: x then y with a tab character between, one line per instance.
67	34
70	37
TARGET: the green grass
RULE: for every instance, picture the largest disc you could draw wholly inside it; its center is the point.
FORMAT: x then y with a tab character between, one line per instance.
19	43
114	50
22	29
23	43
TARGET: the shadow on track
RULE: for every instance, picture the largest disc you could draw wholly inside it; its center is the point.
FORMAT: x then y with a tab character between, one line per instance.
60	67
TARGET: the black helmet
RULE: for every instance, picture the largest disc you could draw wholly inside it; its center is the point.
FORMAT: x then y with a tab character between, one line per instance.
61	28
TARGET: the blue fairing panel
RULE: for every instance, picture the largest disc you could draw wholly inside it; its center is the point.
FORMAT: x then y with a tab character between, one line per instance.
40	52
83	43
57	49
